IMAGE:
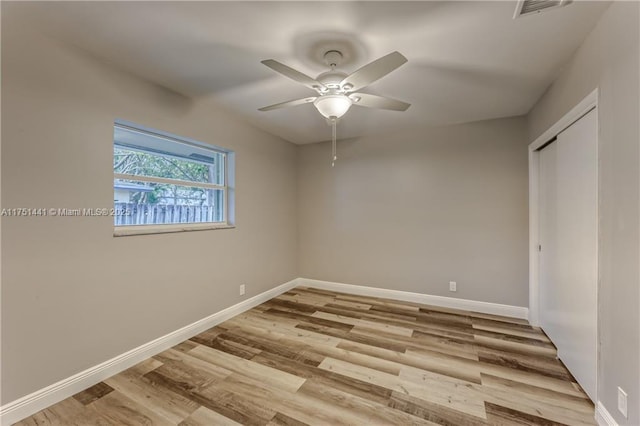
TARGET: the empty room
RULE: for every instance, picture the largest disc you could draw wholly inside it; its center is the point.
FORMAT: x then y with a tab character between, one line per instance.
320	213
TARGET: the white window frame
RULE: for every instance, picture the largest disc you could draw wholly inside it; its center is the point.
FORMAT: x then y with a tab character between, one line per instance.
227	188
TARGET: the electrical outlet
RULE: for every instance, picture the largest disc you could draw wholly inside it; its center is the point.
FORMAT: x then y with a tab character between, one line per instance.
453	286
622	402
242	289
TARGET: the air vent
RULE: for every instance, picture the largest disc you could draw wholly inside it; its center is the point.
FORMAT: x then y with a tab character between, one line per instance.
533	7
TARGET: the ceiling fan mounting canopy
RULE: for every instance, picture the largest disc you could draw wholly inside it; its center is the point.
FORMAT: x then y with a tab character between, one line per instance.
333	58
337	91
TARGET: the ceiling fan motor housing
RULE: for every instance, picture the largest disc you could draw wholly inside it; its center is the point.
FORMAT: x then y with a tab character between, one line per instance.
331	79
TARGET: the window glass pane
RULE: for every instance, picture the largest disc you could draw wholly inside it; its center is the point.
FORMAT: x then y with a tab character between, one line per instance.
150	203
140	163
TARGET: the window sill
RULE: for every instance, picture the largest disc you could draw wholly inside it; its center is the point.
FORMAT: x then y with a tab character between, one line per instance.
125	231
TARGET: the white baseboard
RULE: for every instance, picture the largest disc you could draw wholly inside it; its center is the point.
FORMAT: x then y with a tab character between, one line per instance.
445	302
603	417
43	398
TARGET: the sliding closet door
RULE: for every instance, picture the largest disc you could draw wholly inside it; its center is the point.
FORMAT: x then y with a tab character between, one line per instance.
568	252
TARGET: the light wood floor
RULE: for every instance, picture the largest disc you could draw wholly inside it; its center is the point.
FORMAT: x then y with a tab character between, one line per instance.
322	358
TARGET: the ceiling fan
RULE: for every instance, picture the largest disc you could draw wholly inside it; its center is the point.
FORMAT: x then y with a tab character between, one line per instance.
337	91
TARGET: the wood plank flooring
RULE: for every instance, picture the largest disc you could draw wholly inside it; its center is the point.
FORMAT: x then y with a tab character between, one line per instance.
322	358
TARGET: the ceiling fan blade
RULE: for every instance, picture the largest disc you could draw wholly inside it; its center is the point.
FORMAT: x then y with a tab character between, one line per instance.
373	71
295	102
294	74
373	101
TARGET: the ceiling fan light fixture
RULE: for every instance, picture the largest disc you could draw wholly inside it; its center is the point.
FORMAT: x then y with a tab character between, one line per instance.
333	106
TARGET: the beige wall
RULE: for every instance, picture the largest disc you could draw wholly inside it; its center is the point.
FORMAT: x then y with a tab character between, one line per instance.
72	294
609	60
414	210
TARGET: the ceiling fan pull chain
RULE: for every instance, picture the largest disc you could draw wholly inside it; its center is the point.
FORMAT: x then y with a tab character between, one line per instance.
334	154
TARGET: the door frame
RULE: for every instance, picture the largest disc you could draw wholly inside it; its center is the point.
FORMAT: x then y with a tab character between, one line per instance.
587	104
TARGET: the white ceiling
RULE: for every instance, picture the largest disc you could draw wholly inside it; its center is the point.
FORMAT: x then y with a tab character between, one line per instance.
468	61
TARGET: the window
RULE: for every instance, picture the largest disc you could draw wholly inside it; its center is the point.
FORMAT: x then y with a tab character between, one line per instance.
163	183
